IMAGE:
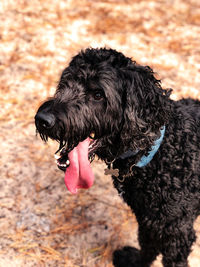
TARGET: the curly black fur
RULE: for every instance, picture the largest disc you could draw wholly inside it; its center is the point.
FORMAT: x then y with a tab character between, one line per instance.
103	91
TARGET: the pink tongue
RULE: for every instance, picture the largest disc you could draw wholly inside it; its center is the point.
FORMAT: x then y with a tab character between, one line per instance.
79	173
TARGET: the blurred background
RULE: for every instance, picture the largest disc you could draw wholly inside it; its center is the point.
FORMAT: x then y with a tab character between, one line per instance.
41	223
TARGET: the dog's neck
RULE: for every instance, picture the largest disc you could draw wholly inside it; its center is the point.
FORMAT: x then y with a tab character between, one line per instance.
144	160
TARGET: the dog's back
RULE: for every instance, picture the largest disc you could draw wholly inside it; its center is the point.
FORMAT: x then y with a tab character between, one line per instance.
191	106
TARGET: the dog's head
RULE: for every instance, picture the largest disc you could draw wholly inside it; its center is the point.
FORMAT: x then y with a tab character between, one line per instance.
105	104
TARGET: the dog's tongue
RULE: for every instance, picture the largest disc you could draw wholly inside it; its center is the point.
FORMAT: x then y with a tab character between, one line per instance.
79	173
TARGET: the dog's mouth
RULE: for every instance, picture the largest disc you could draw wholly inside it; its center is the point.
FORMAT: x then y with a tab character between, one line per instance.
76	164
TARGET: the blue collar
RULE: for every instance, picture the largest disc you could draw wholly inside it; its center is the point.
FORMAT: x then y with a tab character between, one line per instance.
146	159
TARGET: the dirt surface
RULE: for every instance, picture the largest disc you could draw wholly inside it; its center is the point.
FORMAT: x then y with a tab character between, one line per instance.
41	223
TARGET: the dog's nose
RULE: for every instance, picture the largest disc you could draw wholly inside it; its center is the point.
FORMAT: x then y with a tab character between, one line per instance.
45	120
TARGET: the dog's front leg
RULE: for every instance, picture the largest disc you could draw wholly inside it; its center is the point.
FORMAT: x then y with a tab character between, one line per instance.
132	257
149	246
177	245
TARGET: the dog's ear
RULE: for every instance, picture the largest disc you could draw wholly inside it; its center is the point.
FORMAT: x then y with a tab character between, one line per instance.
147	106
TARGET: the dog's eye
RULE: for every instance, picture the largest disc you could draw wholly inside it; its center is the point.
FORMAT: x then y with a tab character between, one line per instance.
98	95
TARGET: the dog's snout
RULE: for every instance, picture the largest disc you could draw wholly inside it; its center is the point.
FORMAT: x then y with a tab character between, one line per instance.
45	120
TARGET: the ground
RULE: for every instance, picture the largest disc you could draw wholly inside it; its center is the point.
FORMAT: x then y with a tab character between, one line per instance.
41	223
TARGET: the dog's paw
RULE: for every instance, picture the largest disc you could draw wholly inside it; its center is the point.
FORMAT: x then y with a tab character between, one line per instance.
127	257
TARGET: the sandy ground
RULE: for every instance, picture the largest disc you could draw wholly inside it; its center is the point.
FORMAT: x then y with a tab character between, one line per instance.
41	223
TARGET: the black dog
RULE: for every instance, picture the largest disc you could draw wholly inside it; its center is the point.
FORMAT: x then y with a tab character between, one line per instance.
108	105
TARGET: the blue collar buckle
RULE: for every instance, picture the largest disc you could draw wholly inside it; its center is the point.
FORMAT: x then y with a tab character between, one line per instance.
146	159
